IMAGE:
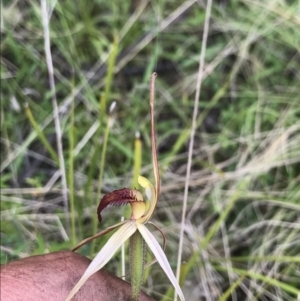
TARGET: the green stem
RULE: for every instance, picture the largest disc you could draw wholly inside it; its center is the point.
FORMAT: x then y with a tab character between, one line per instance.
137	160
102	112
137	251
102	163
41	135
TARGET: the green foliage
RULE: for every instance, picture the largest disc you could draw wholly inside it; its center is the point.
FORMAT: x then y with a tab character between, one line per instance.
248	131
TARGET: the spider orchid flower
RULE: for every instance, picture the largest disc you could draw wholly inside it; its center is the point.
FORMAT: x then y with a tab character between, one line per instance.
141	213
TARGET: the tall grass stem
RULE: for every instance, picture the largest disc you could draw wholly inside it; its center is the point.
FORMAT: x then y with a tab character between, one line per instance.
102	165
192	134
71	175
47	46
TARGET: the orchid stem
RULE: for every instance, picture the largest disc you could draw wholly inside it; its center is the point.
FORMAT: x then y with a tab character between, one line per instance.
137	250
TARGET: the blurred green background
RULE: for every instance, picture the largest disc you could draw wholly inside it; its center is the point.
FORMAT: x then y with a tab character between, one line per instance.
242	224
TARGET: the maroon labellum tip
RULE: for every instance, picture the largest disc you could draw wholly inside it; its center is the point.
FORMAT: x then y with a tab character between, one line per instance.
119	197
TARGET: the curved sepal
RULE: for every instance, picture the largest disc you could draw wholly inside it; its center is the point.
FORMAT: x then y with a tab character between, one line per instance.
160	256
107	230
105	254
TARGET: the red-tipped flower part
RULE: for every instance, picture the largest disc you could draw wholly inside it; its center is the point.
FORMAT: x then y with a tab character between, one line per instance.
122	197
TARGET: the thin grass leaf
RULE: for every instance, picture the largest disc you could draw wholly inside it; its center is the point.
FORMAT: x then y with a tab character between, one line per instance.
215	227
102	164
71	173
232	288
276	283
41	135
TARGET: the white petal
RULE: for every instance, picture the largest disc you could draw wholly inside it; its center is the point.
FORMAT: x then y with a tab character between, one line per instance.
149	193
160	256
105	254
